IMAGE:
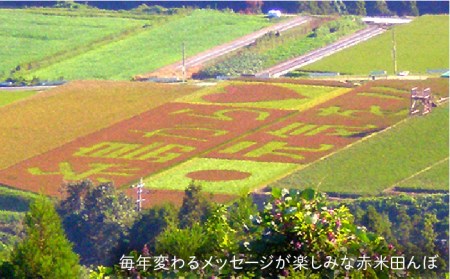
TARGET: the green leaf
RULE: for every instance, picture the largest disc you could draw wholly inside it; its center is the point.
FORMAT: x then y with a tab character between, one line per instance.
276	193
308	194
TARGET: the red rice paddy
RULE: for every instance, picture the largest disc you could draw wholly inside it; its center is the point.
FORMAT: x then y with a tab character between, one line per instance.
252	93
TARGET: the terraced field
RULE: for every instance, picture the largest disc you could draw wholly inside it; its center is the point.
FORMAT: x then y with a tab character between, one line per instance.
211	137
422	44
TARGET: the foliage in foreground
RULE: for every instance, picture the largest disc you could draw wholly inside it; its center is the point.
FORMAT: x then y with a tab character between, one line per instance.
96	218
45	252
292	223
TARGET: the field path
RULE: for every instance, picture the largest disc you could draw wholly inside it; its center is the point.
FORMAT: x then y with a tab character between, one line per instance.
392	188
315	55
195	62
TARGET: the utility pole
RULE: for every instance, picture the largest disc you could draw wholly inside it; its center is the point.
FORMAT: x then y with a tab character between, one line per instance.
183	67
394	51
139	189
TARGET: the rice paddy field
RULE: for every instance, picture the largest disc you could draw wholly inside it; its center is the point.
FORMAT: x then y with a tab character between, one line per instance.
27	37
49	119
421	45
233	138
155	46
412	154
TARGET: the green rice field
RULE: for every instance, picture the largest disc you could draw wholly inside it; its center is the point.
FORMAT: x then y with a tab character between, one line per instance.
422	44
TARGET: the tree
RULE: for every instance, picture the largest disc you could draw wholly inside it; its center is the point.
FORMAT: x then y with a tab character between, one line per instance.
382	9
95	219
378	223
148	226
254	6
310	7
195	208
45	252
326	8
360	8
410	8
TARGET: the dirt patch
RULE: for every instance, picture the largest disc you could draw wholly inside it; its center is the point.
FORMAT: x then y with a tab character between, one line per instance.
218	175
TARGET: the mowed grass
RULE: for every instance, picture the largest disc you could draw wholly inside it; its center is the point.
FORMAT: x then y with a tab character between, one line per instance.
422	44
261	173
50	119
26	37
379	162
434	178
156	47
310	95
8	97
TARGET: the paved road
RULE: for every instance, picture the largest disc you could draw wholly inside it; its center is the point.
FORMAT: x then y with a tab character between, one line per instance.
320	53
25	88
195	62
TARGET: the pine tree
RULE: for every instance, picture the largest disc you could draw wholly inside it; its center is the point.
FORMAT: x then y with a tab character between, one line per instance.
45	251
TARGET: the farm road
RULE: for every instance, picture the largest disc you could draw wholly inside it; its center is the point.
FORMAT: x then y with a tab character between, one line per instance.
194	63
315	55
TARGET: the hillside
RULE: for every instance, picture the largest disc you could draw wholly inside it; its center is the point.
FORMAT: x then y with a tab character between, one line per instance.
27	37
370	166
422	44
155	46
47	120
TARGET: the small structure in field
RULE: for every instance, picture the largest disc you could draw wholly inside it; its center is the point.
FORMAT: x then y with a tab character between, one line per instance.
274	14
420	99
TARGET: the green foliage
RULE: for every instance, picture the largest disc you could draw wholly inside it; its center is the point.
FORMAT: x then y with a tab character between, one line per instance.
247	63
382	9
300	223
422	44
416	225
182	243
148	226
95	219
195	208
15	200
357	169
213	238
271	50
45	252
